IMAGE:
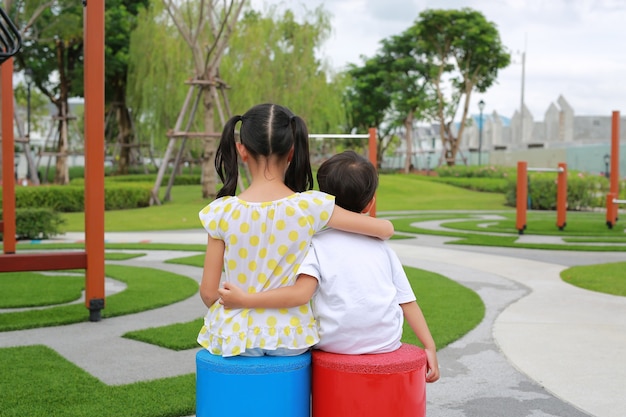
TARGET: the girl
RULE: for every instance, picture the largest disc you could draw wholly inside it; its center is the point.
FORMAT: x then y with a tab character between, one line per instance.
258	239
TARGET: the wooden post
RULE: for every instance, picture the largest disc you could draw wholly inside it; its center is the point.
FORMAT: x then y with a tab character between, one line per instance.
372	153
522	196
8	153
561	197
611	208
615	154
94	156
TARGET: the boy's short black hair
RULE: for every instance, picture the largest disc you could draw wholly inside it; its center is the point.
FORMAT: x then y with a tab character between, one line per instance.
351	178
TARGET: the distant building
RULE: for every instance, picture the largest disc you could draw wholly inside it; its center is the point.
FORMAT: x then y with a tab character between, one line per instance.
562	136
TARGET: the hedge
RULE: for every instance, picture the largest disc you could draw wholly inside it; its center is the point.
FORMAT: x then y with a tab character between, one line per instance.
36	223
71	198
583	191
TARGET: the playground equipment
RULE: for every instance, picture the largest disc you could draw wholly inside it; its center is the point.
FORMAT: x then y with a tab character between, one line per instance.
385	384
522	194
275	386
92	259
612	200
10	39
371	149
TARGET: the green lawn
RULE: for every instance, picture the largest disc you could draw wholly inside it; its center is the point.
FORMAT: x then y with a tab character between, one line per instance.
396	192
607	278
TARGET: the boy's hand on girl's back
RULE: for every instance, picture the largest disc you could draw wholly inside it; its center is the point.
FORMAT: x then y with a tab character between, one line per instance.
231	296
432	366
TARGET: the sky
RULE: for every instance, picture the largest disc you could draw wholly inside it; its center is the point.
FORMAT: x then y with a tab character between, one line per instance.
573	48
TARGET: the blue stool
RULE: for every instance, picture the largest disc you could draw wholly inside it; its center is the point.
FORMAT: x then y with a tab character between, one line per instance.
240	386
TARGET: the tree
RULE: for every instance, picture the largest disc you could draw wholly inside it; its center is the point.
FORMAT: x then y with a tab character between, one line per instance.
204	26
411	92
368	100
466	53
271	57
120	20
53	44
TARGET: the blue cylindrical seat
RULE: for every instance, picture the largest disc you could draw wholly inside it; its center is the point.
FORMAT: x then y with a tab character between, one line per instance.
240	386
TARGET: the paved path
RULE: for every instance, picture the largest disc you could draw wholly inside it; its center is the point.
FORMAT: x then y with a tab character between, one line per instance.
545	348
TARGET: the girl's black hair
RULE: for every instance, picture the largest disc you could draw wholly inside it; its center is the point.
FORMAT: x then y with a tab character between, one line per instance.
351	178
266	130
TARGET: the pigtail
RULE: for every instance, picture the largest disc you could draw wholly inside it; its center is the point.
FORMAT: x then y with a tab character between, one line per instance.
226	163
299	176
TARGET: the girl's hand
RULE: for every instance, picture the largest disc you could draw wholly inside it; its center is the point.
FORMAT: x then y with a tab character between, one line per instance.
231	296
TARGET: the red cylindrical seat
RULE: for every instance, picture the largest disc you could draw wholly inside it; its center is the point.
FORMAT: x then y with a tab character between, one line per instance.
386	384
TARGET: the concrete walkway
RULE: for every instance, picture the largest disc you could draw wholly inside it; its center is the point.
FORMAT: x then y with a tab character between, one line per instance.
545	348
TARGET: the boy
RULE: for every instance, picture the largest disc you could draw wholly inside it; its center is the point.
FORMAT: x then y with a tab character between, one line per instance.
363	291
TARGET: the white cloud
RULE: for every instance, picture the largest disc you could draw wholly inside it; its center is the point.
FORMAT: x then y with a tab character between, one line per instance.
573	47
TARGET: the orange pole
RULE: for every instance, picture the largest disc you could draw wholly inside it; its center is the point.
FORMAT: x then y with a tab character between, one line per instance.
522	195
94	156
372	151
614	188
611	210
8	153
561	197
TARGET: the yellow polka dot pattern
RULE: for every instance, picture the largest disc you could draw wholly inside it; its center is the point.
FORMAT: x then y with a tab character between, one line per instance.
266	243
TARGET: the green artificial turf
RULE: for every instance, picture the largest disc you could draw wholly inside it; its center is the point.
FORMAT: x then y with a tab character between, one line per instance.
607	278
35	289
146	289
37	381
178	336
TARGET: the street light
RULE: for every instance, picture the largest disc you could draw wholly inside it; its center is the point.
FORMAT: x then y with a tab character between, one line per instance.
607	159
481	106
28	77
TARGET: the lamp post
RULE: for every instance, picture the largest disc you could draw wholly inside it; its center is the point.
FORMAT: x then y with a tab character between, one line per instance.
481	106
607	160
28	77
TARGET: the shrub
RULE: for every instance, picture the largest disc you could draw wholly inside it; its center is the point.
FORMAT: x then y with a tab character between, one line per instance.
37	223
490	185
583	191
180	179
71	198
486	171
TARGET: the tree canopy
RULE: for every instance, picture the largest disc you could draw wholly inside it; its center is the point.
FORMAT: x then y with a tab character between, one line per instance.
465	52
425	74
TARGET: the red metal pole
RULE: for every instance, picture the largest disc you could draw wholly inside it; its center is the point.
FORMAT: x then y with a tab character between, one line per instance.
372	151
561	197
94	156
8	153
522	196
614	188
611	210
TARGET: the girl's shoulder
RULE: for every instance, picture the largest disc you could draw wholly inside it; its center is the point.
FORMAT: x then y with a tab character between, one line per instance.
315	195
218	204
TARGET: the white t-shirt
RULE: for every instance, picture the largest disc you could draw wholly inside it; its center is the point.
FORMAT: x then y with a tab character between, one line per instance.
361	284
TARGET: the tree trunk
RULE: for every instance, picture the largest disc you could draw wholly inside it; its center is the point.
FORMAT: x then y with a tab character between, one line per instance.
125	136
209	176
408	129
61	175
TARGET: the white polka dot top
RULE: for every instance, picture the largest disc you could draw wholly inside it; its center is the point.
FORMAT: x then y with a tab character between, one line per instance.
265	243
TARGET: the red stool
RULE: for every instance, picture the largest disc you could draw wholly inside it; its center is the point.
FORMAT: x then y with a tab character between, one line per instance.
386	384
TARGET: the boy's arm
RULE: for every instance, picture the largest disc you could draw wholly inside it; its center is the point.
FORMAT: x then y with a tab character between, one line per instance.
294	295
414	316
349	221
